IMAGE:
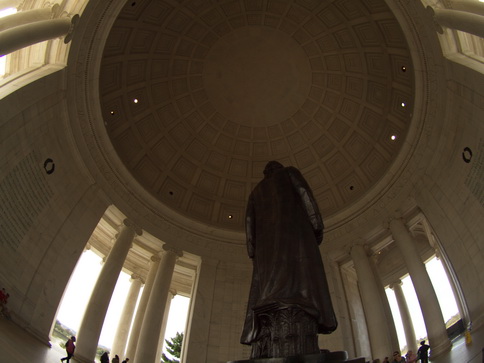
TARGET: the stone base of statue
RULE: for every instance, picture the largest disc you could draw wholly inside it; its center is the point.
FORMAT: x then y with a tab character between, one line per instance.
284	332
324	356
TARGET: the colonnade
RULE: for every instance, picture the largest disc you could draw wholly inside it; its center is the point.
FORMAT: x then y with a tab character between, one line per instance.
381	331
147	330
28	27
463	15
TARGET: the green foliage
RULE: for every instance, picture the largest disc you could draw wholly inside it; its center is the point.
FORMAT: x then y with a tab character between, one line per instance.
63	333
174	346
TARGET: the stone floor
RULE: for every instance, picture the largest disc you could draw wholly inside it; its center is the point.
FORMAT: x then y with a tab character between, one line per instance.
16	346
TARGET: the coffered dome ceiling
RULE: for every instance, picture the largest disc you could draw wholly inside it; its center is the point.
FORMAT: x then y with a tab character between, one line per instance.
198	96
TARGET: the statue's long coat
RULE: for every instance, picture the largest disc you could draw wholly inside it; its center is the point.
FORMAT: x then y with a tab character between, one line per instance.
284	229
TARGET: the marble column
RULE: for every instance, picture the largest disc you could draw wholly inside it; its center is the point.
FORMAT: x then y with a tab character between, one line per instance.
195	346
28	34
429	304
150	330
93	319
140	313
471	6
28	16
392	330
6	4
376	320
405	315
171	295
121	337
459	20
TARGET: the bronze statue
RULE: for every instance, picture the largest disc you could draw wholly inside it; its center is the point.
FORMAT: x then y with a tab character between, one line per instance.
289	302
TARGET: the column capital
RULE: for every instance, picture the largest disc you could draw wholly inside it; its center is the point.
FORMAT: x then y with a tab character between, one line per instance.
397	217
396	221
155	258
431	12
337	254
358	243
398	282
169	248
135	276
130	224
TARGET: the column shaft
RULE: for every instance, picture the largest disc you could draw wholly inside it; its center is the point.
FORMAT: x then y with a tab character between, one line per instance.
140	313
150	330
387	310
460	20
93	319
121	337
195	345
6	4
471	6
26	17
25	35
380	338
406	318
429	304
169	299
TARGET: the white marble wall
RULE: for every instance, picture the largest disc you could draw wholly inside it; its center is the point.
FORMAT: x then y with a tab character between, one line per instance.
217	313
48	217
451	194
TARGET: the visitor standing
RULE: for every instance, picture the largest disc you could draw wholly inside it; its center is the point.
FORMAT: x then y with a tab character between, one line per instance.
105	357
423	352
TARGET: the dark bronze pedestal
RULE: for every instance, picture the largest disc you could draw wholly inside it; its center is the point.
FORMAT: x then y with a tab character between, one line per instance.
323	357
312	358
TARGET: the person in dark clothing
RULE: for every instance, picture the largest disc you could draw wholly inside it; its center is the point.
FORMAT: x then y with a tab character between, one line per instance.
70	348
422	352
105	357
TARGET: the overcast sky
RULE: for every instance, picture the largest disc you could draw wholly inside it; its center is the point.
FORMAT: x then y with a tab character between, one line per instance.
79	290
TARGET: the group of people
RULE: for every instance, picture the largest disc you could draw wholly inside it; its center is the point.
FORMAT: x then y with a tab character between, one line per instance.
105	358
422	355
71	347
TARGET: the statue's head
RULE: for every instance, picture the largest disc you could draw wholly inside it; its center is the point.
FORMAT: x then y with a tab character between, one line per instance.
271	167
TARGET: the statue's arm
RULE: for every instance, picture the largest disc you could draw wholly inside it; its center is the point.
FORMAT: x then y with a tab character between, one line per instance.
250	227
308	201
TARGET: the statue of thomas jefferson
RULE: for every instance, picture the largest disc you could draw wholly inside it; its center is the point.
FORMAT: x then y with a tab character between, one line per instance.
289	302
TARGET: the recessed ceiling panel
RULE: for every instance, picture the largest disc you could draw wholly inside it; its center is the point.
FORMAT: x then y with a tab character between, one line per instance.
198	96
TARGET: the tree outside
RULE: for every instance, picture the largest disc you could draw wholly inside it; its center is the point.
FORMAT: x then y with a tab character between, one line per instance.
173	347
